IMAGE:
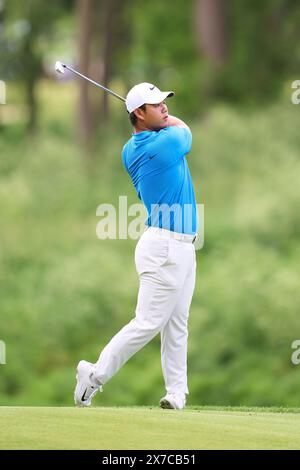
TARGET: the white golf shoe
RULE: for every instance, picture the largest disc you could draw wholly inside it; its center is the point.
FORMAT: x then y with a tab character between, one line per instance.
87	386
173	401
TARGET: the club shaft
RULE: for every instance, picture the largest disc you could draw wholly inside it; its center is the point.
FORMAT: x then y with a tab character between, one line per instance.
94	83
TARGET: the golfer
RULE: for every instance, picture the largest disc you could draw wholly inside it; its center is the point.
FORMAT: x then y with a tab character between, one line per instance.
155	159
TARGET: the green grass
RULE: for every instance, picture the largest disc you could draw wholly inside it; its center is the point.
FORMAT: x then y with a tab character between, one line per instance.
148	428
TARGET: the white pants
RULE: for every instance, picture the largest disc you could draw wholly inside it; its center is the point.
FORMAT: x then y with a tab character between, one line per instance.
166	268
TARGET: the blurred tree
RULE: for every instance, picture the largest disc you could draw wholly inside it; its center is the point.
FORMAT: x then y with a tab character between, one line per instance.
262	48
115	40
101	46
248	49
162	49
29	27
211	28
85	13
2	17
131	41
108	31
100	25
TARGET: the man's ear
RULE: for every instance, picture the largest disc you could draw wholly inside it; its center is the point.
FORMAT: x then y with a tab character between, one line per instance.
139	114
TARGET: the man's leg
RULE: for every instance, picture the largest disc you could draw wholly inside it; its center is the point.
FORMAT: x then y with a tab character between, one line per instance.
160	285
174	336
154	306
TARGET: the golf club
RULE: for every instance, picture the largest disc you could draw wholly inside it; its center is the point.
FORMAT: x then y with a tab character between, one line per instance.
60	68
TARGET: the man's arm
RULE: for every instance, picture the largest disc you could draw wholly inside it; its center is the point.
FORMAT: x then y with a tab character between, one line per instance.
174	121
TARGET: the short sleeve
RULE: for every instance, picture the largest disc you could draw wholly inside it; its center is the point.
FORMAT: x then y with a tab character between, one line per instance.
123	156
180	138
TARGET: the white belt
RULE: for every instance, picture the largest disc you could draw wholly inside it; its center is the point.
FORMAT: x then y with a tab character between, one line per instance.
163	233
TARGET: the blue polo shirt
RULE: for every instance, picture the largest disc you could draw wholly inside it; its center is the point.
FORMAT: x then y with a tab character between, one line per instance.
156	163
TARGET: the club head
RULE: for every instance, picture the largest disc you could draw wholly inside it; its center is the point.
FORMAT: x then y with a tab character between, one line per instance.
59	67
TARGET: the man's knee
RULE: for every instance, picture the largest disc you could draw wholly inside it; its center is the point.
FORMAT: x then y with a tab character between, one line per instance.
149	326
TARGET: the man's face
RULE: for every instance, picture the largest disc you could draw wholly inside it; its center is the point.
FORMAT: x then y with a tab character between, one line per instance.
155	116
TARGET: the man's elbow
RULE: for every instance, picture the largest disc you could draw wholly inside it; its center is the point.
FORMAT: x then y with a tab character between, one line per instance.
174	121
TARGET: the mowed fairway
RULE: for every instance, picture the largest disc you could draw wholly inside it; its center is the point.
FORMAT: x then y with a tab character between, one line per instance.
146	428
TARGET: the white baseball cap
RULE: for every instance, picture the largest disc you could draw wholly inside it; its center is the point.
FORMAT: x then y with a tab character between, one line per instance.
145	93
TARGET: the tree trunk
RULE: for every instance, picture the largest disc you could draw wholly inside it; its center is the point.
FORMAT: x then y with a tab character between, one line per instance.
211	29
85	131
32	104
105	39
99	28
109	8
2	83
31	74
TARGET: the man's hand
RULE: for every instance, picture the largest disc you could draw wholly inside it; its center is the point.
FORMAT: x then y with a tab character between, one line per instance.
174	121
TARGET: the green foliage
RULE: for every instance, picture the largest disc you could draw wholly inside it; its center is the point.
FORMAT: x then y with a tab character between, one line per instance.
27	25
64	293
156	42
163	50
264	49
263	45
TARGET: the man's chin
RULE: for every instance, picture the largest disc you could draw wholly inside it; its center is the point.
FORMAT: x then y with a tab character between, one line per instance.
161	126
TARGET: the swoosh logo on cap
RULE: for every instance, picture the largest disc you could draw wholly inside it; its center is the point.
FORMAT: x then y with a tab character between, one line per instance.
152	88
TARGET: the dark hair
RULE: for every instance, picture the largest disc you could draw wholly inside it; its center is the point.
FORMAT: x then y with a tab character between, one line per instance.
132	116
